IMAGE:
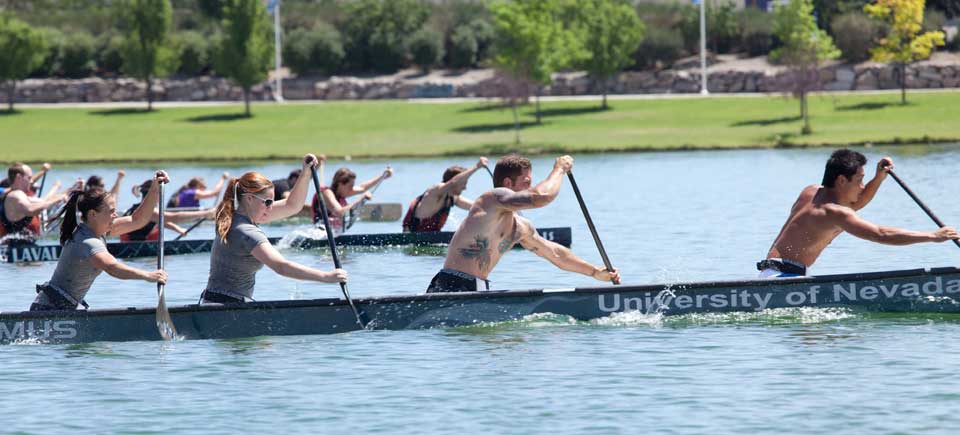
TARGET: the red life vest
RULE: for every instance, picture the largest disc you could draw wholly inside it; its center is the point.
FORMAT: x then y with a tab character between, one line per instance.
28	226
412	224
336	222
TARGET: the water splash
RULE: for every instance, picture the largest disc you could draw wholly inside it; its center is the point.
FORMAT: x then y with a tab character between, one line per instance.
773	316
292	238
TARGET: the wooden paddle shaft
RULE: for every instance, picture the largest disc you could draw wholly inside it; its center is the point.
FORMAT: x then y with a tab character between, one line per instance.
923	206
593	229
333	245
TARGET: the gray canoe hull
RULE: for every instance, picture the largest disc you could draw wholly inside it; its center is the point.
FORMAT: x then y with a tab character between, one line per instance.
921	291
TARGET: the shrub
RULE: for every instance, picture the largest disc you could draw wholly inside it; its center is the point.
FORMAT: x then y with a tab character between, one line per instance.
659	48
109	59
77	55
375	32
463	48
426	48
756	31
193	50
483	33
317	50
855	34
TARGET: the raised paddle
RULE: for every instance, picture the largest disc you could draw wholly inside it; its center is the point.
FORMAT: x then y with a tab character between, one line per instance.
164	322
355	210
333	246
923	206
593	229
195	224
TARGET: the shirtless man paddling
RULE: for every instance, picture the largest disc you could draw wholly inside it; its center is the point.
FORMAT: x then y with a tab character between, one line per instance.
821	213
492	227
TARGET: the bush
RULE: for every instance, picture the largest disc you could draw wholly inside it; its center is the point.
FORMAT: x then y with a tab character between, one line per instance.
317	50
77	55
426	48
756	31
51	62
463	48
193	50
375	32
483	33
659	48
855	34
108	56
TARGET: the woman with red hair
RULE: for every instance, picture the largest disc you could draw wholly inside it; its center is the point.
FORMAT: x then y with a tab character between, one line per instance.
241	249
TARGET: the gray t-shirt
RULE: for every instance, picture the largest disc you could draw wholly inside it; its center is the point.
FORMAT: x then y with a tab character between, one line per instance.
233	268
75	274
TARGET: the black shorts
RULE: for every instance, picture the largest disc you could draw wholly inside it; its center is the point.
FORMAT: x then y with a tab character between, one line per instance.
451	281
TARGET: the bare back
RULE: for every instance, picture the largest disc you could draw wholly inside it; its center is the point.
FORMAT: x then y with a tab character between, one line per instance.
488	232
811	227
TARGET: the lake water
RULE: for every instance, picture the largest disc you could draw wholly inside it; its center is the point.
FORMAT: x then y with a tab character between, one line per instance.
664	217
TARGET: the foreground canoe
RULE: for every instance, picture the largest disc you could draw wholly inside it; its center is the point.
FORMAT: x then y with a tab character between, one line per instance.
920	290
27	253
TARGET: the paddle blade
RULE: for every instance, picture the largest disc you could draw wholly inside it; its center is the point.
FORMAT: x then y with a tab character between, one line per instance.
164	322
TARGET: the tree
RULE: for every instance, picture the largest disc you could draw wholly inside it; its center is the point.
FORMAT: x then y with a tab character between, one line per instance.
24	50
531	43
904	44
612	31
147	51
376	31
426	48
805	46
245	49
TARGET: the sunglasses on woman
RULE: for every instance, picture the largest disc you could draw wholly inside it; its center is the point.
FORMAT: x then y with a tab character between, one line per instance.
267	202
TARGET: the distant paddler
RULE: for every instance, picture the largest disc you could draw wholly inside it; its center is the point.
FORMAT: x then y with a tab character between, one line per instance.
190	194
241	249
429	211
84	255
824	211
150	230
342	187
96	182
493	226
19	211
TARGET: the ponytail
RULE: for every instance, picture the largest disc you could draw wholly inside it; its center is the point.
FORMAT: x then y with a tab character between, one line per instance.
251	182
80	203
226	208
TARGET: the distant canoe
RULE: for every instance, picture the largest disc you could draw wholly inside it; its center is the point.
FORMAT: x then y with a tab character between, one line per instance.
911	291
28	253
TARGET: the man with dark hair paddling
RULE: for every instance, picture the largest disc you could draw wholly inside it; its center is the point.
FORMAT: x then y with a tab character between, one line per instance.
429	211
822	212
493	226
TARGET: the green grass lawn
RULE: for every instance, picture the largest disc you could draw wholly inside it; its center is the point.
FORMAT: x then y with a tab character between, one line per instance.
398	128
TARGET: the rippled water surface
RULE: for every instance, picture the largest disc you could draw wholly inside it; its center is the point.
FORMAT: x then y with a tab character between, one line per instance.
664	217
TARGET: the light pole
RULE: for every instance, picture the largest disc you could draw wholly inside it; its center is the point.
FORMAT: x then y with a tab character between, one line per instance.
274	7
703	48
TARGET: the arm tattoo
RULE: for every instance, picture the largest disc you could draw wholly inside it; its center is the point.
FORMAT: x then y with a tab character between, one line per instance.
479	250
516	199
505	245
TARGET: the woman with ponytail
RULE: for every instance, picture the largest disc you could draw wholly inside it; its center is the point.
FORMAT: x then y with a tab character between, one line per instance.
342	187
84	253
241	249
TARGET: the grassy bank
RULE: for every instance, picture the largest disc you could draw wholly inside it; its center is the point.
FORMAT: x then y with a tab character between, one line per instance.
396	128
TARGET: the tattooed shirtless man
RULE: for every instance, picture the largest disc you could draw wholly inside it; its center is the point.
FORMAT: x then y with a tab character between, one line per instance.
492	227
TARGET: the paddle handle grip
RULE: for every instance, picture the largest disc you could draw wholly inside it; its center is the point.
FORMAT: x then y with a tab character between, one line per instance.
333	244
593	228
923	206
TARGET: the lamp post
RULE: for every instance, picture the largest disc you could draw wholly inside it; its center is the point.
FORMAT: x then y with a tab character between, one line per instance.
273	6
703	48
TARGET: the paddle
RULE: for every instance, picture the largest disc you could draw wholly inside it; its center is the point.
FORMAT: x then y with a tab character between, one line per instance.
196	224
355	210
333	245
43	214
923	206
593	229
164	322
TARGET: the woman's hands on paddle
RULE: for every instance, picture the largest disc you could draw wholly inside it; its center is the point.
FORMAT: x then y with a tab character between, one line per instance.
158	276
161	177
602	274
336	275
387	173
310	161
482	163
